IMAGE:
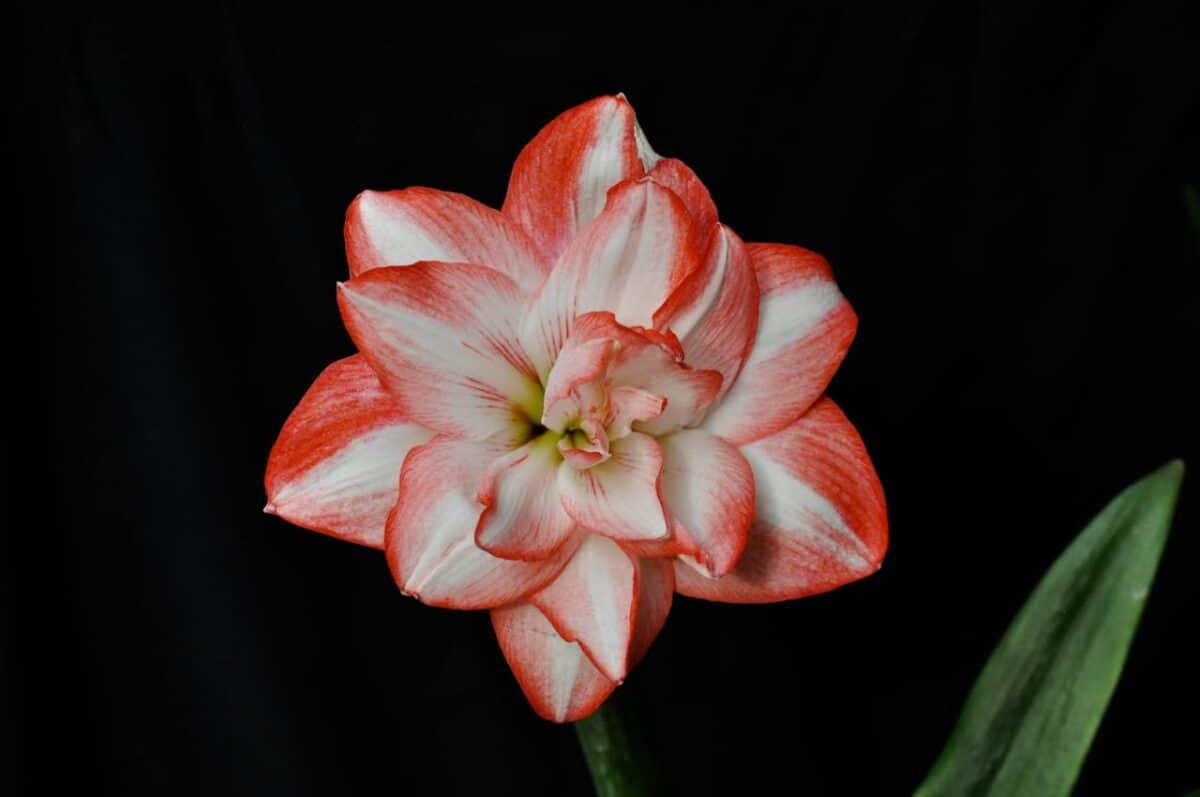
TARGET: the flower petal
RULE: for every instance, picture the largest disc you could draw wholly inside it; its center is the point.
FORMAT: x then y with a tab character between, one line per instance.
676	175
336	464
619	497
708	488
396	228
627	261
431	532
656	587
820	520
523	518
715	310
665	548
648	361
560	179
557	677
441	337
576	381
687	391
805	327
632	405
594	602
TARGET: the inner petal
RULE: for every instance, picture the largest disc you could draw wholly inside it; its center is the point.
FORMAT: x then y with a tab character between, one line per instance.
576	387
629	405
610	380
586	446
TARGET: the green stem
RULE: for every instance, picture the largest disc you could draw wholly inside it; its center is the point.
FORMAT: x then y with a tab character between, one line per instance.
615	757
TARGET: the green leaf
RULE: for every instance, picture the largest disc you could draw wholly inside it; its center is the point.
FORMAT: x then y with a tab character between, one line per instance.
1031	715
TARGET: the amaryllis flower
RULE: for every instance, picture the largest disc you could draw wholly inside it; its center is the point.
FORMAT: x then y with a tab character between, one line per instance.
568	410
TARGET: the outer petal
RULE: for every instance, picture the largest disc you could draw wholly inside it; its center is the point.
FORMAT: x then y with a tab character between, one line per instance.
676	175
335	465
666	548
619	497
656	586
560	179
819	522
805	327
395	228
524	518
431	533
559	679
556	676
594	602
627	261
708	488
715	310
442	338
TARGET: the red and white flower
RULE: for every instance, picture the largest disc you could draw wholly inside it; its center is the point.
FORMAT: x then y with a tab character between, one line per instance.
567	410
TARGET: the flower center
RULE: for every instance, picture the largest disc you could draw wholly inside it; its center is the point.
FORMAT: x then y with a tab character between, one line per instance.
588	400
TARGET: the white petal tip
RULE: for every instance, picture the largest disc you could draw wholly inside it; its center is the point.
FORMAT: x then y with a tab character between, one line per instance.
703	568
270	509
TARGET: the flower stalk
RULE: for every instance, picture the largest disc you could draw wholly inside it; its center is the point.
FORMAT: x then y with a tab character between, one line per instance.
615	755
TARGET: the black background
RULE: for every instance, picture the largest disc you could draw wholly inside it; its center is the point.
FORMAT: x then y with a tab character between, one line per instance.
998	187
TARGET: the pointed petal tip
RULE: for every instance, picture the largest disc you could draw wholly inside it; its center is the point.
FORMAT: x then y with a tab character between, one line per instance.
269	509
701	564
622	99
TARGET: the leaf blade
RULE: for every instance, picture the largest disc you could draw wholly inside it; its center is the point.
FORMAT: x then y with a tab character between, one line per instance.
1030	717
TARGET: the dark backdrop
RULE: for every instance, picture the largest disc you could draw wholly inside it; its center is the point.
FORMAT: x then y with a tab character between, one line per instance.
998	186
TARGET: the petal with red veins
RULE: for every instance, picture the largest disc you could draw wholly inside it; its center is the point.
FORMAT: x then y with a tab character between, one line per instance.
666	548
575	383
656	587
594	602
687	391
396	228
676	175
557	677
627	262
648	360
585	446
336	464
619	497
805	327
632	405
646	153
708	489
820	520
715	310
561	178
523	518
431	533
442	338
